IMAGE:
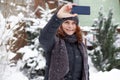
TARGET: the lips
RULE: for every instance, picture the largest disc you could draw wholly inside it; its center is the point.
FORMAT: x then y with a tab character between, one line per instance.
69	30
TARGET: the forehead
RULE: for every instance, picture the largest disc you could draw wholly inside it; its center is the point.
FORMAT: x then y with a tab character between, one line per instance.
69	21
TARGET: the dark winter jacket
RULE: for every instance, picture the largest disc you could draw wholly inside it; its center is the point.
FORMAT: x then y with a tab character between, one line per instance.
73	60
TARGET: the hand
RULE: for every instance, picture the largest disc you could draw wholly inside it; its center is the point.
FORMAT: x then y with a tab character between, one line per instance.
64	12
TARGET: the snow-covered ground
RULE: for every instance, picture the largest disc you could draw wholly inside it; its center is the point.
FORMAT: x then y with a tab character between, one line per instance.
13	73
99	75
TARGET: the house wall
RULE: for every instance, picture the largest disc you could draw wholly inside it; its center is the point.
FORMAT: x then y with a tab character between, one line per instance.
95	5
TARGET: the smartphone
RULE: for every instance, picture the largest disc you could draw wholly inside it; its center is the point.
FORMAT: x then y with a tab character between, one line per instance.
81	10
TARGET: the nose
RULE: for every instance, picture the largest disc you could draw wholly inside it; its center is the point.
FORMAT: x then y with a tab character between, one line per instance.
70	25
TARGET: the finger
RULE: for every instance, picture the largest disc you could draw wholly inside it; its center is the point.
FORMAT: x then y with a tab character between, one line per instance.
69	6
73	15
70	15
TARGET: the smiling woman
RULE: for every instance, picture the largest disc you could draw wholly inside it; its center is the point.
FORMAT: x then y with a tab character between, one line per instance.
66	55
69	27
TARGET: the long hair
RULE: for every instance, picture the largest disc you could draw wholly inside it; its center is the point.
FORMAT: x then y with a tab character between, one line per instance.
78	33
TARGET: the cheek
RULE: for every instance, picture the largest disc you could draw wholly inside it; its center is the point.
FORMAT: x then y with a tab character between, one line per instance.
74	28
64	27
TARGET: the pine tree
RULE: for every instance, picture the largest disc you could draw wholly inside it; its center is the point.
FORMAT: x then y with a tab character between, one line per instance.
105	54
34	66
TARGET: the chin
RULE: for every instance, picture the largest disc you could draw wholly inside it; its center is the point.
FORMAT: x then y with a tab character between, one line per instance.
70	33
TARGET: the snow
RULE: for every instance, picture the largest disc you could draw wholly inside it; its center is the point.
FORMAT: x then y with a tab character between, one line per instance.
13	73
117	42
113	74
99	75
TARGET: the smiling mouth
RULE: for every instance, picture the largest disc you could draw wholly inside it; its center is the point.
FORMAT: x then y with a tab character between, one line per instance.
69	30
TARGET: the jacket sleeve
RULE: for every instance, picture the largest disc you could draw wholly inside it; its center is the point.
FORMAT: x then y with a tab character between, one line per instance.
47	34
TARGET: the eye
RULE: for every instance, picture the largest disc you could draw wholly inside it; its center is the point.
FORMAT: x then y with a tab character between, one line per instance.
73	23
66	22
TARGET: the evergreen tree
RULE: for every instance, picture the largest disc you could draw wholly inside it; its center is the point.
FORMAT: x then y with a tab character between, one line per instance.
34	65
105	53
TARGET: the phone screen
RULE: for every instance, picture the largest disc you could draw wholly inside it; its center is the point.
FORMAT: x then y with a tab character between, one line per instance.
83	10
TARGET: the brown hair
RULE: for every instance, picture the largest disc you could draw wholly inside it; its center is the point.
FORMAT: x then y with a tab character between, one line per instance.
78	33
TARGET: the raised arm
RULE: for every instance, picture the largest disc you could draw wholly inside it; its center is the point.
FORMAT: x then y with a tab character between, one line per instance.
47	34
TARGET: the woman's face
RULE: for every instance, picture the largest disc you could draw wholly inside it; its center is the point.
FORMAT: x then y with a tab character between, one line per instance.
69	27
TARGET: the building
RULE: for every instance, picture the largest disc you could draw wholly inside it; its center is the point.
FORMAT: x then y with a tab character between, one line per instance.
95	5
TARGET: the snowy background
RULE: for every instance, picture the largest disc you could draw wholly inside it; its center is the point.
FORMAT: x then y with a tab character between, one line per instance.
12	71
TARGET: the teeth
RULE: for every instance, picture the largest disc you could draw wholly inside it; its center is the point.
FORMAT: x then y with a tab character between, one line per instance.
69	30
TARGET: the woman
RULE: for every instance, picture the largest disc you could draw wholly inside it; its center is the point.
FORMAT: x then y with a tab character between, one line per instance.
66	55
